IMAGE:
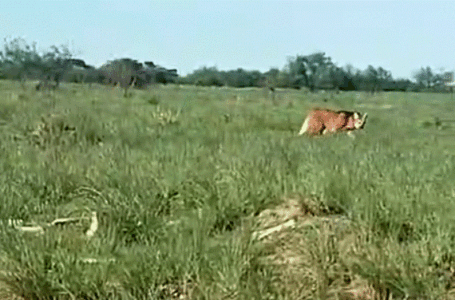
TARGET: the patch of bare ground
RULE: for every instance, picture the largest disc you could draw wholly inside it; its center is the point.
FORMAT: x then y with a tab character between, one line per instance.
309	254
176	291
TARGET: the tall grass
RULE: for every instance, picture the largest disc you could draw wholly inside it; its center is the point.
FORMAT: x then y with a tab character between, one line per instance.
175	194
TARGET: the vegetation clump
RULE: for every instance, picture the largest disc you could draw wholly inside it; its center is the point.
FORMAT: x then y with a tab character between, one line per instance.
165	116
53	130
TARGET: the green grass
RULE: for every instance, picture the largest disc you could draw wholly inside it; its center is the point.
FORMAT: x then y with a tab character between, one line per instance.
175	194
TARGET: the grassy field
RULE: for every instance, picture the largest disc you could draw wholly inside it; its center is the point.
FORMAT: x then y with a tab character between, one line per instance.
182	178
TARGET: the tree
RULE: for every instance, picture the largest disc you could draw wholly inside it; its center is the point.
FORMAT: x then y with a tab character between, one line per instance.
371	78
241	78
285	79
155	74
376	79
384	77
55	64
428	79
424	77
205	77
349	82
123	71
20	61
297	69
80	72
306	70
333	77
271	78
163	75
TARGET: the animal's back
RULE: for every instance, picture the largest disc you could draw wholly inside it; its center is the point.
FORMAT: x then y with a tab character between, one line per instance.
320	121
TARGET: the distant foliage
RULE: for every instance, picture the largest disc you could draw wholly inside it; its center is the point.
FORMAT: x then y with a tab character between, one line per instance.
127	72
20	61
204	77
308	70
428	80
123	72
242	78
316	71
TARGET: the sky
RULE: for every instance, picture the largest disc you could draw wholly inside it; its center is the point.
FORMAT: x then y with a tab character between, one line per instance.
400	36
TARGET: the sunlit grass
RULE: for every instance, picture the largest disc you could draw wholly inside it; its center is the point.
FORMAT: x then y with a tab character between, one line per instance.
175	193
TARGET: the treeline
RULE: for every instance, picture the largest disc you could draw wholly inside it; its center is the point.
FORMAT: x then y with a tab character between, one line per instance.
20	61
317	71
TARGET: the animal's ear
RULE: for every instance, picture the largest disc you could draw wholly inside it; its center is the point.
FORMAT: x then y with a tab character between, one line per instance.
356	116
364	118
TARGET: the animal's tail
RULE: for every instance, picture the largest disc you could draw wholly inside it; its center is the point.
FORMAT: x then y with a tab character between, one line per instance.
305	125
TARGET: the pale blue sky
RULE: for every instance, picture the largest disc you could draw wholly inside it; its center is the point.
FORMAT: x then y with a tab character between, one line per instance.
400	36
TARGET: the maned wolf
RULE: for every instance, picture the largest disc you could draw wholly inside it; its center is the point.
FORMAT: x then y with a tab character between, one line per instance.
323	121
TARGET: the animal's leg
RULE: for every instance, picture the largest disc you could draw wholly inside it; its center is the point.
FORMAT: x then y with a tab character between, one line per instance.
305	125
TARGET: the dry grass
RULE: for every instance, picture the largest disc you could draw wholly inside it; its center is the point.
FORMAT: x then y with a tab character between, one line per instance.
310	261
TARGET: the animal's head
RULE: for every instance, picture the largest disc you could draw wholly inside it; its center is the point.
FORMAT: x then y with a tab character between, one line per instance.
360	120
356	121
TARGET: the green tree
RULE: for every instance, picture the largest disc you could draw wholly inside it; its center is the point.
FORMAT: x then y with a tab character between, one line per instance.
271	78
307	70
204	76
285	79
384	77
55	64
430	80
374	80
424	77
156	74
371	79
241	78
20	61
123	71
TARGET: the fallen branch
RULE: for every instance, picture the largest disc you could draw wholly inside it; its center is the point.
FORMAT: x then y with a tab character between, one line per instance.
31	229
93	226
17	224
62	221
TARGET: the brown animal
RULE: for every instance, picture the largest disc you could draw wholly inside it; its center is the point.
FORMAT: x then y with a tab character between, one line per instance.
323	121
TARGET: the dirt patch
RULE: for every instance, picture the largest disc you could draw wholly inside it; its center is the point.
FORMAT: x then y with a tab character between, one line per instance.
308	257
293	207
176	291
292	210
